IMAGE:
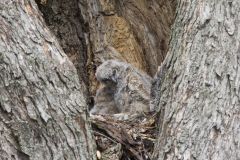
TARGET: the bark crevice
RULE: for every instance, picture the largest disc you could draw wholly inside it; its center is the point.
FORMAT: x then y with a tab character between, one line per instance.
66	21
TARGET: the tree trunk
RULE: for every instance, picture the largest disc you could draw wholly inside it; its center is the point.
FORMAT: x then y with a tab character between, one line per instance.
64	18
43	97
198	85
42	105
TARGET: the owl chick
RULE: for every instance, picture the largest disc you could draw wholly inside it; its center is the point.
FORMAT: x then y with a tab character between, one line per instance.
130	87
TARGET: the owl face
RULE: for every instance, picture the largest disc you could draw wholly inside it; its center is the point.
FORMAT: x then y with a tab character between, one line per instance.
108	71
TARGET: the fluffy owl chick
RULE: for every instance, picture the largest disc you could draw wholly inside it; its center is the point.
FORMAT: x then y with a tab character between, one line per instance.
132	87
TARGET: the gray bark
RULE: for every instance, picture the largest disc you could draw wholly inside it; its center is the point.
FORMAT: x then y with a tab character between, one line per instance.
64	19
198	100
42	104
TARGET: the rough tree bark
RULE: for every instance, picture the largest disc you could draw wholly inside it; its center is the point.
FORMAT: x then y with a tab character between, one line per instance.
65	20
198	85
42	104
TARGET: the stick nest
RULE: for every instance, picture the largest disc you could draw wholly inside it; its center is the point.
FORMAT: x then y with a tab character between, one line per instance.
130	139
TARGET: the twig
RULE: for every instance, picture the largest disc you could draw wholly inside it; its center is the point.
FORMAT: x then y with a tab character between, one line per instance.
105	136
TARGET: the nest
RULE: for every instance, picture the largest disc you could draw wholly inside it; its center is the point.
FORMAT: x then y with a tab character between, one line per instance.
130	139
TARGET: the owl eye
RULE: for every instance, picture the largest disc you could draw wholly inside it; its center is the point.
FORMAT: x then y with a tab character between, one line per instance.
114	72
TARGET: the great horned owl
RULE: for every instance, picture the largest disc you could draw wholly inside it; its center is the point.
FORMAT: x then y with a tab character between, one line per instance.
130	88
